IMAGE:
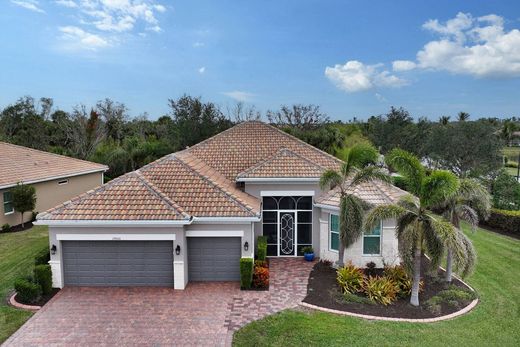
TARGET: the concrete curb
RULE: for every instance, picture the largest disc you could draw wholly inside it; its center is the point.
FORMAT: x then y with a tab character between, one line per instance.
13	302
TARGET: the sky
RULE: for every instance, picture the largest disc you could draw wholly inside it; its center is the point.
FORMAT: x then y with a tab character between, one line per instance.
353	58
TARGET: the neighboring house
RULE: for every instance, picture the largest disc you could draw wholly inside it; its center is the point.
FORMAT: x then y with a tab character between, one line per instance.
56	178
191	215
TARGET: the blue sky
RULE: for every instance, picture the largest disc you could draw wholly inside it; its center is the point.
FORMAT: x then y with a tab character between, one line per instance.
353	58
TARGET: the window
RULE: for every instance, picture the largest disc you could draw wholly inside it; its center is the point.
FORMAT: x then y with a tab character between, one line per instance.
8	203
62	182
334	232
372	241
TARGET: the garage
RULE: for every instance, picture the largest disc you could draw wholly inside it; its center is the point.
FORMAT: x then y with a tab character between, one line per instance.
117	263
214	258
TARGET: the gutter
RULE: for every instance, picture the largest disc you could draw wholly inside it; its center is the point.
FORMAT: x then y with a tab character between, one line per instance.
327	207
113	223
278	179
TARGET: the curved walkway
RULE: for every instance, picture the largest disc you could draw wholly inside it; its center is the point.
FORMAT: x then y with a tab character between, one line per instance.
203	314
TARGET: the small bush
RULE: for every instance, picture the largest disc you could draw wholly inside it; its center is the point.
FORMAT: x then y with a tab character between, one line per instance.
6	227
246	272
349	297
453	296
400	182
261	263
350	278
27	291
43	257
33	216
307	250
370	268
380	289
43	276
400	277
504	220
261	247
261	277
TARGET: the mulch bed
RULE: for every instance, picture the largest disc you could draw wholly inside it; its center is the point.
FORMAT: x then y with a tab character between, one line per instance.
18	228
43	299
323	291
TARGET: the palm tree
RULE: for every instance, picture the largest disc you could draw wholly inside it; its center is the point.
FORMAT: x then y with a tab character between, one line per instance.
356	169
444	120
417	227
462	116
470	202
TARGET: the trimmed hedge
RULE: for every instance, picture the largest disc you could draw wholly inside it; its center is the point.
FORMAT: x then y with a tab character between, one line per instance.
43	257
508	221
246	272
261	247
27	291
43	276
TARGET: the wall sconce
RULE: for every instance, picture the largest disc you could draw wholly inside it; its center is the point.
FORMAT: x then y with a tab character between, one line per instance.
178	250
53	249
246	246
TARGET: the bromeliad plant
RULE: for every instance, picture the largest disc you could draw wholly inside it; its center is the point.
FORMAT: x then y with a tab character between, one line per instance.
356	169
417	227
350	278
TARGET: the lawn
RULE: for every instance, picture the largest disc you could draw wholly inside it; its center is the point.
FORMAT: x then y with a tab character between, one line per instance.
495	321
17	252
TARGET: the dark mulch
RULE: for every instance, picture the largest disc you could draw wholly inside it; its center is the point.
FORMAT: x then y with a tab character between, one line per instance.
18	228
43	299
498	231
324	291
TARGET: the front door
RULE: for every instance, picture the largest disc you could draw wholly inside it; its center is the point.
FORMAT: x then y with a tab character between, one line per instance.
287	233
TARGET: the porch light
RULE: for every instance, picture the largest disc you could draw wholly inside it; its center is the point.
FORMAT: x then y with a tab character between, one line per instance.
246	246
178	250
53	249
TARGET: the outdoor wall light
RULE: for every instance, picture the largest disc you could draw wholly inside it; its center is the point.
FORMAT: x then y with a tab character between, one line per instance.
53	249
246	246
178	250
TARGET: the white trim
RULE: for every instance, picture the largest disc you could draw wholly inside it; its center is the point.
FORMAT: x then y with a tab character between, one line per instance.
210	233
284	180
227	220
115	237
52	178
287	193
9	213
111	223
327	207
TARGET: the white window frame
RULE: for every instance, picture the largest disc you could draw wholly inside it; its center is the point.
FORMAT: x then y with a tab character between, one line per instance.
335	232
380	242
6	202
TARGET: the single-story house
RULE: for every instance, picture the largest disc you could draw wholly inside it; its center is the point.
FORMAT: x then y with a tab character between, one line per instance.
56	178
191	215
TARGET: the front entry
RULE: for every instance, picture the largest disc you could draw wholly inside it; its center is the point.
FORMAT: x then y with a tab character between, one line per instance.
286	237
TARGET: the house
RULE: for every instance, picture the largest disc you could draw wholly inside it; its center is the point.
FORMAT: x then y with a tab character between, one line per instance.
191	215
56	178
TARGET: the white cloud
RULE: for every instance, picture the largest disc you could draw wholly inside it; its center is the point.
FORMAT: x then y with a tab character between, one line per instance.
380	98
239	95
32	5
202	70
66	3
355	76
78	38
403	65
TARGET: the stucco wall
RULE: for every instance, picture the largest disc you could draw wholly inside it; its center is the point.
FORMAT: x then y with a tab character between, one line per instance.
354	253
50	194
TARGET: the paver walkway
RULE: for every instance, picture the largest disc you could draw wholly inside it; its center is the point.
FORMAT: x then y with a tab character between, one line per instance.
205	314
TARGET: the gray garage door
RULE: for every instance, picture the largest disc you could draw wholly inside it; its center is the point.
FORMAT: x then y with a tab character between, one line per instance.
118	263
214	258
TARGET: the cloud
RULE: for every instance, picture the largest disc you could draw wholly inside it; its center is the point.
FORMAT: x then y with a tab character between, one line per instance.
380	98
355	76
78	38
202	70
239	95
66	3
32	5
478	47
403	65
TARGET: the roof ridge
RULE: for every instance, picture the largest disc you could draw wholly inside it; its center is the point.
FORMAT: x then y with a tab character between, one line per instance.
382	192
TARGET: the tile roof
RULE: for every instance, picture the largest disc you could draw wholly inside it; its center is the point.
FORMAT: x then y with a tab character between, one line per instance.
284	164
22	164
374	193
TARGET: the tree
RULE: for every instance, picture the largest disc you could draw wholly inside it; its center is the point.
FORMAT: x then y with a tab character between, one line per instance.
24	199
303	117
444	120
462	116
114	115
417	227
355	170
326	137
241	113
506	192
470	203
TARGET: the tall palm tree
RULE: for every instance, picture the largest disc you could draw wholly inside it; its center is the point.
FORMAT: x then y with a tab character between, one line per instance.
462	116
356	169
417	227
470	202
444	120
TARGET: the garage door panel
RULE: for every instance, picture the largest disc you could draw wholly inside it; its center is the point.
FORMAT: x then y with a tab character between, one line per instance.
214	259
118	263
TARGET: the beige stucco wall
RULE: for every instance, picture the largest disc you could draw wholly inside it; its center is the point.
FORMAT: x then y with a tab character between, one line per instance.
354	253
50	194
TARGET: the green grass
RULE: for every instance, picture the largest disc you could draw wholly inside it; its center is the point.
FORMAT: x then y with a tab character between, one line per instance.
511	153
17	251
494	322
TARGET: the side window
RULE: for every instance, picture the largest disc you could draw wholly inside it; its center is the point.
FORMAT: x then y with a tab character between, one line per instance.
8	203
372	241
334	232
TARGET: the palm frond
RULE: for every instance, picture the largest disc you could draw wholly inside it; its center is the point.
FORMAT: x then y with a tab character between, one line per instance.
409	202
433	241
467	214
362	154
474	194
368	174
381	212
438	187
351	219
404	221
330	179
407	241
470	256
408	166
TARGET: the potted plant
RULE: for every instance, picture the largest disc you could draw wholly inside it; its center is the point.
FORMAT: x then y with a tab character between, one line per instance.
308	253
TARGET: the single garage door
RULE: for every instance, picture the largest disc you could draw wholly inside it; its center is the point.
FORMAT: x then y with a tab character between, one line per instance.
118	263
214	258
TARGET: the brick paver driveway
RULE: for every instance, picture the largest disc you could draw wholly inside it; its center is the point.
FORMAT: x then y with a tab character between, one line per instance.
203	314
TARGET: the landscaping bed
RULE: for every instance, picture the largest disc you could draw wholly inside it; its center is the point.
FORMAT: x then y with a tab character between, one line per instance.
324	291
42	300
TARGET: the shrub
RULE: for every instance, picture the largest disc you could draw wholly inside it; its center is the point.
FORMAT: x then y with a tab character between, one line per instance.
261	277
453	296
400	182
43	276
370	268
350	278
27	291
380	289
401	279
43	257
261	247
504	220
307	250
6	227
506	192
246	272
261	263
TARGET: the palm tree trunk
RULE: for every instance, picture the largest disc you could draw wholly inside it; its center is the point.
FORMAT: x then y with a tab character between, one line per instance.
414	299
449	266
341	255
